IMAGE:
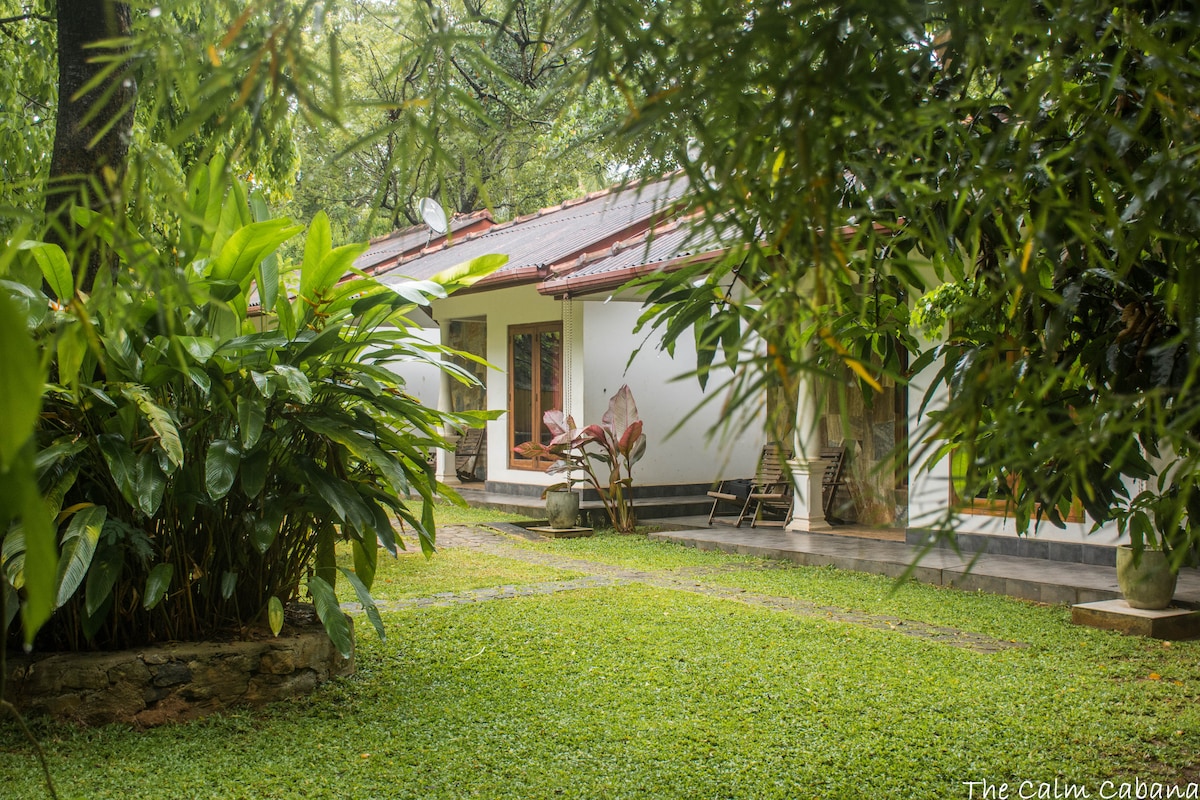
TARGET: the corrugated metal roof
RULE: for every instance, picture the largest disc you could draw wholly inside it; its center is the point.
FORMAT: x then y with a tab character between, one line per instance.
667	246
551	236
413	239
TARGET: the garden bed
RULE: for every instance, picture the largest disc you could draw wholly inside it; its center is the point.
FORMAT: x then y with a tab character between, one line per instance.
176	681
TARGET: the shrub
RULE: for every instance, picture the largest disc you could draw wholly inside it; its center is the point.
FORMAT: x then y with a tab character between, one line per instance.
203	458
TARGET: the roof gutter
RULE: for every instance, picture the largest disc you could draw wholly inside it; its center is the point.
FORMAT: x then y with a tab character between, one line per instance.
567	286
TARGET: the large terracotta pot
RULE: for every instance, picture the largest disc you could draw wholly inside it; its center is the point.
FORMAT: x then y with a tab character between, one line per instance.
1150	584
562	509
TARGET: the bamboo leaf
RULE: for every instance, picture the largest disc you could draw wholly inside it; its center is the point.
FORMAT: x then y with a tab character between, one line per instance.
21	388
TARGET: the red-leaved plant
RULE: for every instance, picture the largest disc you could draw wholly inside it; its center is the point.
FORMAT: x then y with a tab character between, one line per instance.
617	443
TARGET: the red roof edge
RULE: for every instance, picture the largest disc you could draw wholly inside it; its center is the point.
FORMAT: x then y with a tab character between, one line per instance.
565	287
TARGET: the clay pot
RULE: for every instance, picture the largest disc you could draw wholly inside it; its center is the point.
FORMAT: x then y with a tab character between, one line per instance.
1151	583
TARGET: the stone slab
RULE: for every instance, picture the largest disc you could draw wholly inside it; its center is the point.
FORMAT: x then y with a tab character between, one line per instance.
1117	615
562	533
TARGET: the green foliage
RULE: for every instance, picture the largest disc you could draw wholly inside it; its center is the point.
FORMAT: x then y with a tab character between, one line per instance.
1039	157
617	444
455	100
201	452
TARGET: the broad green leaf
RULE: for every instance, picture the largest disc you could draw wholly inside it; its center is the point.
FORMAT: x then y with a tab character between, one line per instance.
12	604
330	614
362	448
347	506
264	384
200	348
253	472
333	266
149	484
220	467
157	583
21	387
326	556
229	582
79	545
55	269
368	602
268	270
469	272
106	568
12	555
317	245
252	413
255	342
241	254
122	464
366	557
297	384
90	623
275	615
72	346
118	351
160	422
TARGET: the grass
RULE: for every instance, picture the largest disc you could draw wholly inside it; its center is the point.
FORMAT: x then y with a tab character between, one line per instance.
411	574
633	691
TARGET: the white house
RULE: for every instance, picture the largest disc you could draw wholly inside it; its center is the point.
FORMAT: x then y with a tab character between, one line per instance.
558	328
555	343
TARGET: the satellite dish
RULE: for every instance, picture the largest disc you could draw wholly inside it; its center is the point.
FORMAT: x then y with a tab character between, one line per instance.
433	214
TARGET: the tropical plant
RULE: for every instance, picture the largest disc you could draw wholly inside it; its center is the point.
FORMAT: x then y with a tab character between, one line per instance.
208	435
616	444
1039	155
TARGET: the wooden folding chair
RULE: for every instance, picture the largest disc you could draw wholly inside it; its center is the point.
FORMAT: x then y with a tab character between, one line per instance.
739	493
466	454
835	460
776	501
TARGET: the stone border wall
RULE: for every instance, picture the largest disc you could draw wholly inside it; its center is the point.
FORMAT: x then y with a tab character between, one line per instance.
174	682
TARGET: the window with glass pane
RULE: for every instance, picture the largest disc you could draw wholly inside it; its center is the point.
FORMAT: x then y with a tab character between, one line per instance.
534	385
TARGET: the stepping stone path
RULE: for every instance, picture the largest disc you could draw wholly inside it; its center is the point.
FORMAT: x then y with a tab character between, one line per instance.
598	575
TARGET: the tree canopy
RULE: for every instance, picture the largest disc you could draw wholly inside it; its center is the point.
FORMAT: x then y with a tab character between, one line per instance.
1035	159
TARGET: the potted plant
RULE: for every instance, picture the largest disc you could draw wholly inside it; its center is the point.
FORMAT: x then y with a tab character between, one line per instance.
615	445
1158	524
562	505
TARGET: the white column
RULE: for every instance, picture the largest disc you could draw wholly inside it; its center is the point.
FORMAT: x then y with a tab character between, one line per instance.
445	458
808	468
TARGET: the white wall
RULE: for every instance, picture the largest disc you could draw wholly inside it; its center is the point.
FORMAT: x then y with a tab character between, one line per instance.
600	339
687	456
421	380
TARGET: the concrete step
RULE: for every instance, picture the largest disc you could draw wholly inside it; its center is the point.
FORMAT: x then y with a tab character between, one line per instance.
534	507
1028	578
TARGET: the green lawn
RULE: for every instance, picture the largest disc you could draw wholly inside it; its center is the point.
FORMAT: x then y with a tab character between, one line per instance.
638	691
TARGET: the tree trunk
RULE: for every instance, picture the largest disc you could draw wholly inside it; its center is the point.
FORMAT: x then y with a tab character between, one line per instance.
92	133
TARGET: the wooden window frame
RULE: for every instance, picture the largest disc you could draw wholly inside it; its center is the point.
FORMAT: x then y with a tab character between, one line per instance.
535	330
998	507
